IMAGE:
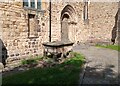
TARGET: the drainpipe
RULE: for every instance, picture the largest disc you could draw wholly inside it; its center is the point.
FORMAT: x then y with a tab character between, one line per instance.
50	21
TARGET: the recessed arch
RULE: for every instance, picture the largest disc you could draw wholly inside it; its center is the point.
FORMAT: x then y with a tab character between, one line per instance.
65	16
69	10
68	22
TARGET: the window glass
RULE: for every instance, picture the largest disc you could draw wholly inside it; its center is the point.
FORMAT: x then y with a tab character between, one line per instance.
32	3
25	3
39	4
85	10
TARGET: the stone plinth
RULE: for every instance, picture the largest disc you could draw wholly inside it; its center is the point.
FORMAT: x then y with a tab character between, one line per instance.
57	50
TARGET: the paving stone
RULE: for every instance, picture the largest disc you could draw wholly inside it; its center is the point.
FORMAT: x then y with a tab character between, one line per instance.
102	65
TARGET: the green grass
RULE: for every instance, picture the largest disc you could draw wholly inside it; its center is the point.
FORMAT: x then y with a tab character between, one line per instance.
114	47
31	61
66	73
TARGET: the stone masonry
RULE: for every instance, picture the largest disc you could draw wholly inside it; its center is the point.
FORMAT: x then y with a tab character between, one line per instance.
14	23
21	41
101	20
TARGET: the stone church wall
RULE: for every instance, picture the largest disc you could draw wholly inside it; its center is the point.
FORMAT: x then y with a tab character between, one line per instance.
101	20
15	30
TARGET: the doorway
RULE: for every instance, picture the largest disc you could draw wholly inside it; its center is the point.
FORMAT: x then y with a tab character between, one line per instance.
68	23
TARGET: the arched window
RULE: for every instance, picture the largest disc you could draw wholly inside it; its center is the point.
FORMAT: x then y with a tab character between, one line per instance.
85	11
35	4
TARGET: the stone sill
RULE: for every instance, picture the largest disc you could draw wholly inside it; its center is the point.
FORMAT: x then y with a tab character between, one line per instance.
33	9
33	37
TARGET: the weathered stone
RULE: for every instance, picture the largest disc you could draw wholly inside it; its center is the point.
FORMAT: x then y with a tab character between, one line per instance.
57	49
17	36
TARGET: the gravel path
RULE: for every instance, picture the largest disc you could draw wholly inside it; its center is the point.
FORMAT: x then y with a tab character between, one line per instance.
101	65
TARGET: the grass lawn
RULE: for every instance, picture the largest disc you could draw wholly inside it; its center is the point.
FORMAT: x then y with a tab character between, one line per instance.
114	47
66	74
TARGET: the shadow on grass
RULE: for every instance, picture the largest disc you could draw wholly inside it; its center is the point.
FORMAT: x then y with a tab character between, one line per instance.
66	73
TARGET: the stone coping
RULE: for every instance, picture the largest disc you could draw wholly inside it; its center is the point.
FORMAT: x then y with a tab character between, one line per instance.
58	43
